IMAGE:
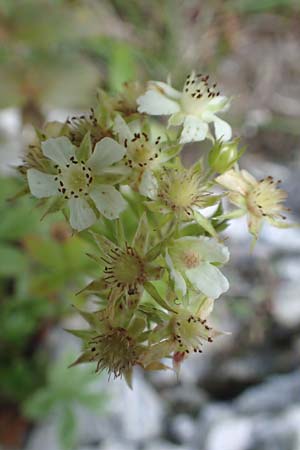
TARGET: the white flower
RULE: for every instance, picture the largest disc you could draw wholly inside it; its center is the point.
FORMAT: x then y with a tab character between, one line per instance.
260	200
190	261
143	153
79	181
180	191
194	108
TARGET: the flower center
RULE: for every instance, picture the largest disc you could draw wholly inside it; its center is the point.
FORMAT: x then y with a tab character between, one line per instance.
125	269
73	179
197	93
180	191
140	152
190	332
265	199
190	259
114	351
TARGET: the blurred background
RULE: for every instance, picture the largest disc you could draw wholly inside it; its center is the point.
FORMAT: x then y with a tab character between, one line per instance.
244	392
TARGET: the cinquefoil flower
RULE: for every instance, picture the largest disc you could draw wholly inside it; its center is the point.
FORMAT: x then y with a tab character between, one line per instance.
79	181
194	108
259	199
191	263
179	191
190	331
144	153
114	348
183	333
127	267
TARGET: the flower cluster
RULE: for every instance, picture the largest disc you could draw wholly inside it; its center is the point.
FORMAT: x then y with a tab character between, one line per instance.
117	175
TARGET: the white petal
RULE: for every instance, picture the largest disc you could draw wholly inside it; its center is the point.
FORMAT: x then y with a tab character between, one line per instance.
166	89
156	104
148	185
122	129
108	200
59	150
175	275
194	130
81	214
208	279
209	249
41	184
135	126
222	129
106	152
220	103
234	181
206	308
249	178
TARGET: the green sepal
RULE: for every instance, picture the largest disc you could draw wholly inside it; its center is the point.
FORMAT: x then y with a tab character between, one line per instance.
205	223
128	378
119	232
170	153
83	358
156	251
235	214
104	245
152	291
85	150
140	239
151	312
93	287
82	334
55	205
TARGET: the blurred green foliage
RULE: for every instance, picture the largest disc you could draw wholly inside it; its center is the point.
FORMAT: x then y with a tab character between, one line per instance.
39	260
64	391
257	6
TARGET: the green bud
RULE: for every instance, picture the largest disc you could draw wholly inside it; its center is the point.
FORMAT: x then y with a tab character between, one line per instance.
223	155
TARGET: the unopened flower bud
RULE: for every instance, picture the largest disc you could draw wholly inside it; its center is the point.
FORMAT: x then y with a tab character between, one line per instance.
222	156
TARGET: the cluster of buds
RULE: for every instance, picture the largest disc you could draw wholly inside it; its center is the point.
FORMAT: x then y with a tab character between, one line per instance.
117	176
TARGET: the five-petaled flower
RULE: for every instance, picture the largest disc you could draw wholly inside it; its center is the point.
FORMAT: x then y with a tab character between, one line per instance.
259	199
194	108
144	153
80	182
191	262
179	191
126	267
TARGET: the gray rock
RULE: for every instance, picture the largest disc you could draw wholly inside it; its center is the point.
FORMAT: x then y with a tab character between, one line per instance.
277	433
44	436
281	239
286	303
213	413
182	428
140	411
163	445
185	398
278	393
113	444
230	434
288	268
92	428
